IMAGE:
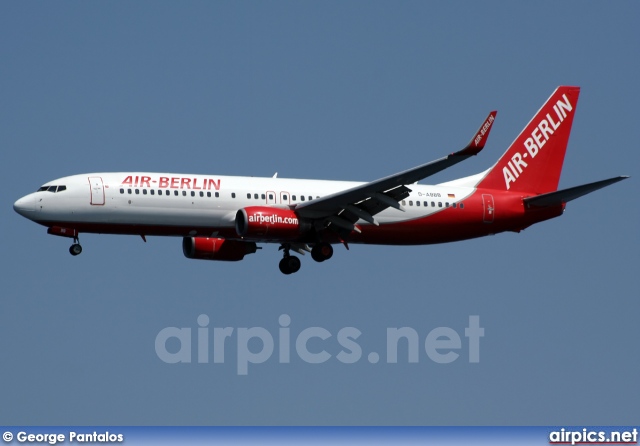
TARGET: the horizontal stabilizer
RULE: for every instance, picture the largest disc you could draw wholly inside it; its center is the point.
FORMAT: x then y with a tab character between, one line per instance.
566	195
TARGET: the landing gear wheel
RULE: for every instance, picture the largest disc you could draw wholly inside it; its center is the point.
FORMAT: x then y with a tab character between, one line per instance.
75	249
289	265
321	252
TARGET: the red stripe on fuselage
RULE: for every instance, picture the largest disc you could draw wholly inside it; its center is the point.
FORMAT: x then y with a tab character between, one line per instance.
152	230
448	225
454	224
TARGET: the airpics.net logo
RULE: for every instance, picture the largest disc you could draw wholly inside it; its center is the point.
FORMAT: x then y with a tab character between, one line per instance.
252	346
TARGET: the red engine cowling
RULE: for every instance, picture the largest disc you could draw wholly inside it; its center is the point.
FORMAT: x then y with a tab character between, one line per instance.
204	248
266	223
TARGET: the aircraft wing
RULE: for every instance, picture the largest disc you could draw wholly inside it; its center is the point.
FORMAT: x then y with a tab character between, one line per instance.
344	208
565	195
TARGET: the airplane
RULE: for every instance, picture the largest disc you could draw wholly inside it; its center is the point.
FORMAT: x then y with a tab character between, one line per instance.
225	217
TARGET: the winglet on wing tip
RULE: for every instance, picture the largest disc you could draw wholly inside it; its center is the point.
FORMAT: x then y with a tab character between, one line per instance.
478	142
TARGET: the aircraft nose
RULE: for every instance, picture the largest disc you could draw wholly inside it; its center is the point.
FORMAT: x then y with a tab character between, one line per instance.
25	205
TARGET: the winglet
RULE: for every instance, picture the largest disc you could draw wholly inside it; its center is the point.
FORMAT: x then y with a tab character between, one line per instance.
480	139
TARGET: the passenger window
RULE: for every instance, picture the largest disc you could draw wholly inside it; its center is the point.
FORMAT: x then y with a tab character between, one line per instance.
270	196
61	188
249	196
152	192
137	191
184	193
455	205
201	194
311	198
175	192
208	194
285	198
439	204
263	196
122	191
446	204
433	204
426	204
461	205
255	196
404	203
417	203
293	198
129	191
233	195
410	202
144	192
301	197
193	194
217	194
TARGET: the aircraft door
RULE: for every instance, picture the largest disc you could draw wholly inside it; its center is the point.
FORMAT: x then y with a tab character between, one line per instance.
97	191
271	197
489	209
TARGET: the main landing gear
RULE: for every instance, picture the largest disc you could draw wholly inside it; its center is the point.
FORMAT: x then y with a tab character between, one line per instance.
75	249
321	251
291	264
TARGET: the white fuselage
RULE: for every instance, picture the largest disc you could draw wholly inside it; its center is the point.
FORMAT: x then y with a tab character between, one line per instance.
201	205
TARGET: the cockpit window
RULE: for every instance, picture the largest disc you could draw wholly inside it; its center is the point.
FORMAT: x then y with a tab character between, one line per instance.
53	189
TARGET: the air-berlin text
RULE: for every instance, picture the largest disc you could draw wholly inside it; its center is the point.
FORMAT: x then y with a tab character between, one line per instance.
534	143
194	183
484	129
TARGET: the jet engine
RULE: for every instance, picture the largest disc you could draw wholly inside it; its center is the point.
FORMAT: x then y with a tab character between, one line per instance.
205	248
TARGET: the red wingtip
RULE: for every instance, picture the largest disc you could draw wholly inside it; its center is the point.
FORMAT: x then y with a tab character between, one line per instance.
478	142
483	133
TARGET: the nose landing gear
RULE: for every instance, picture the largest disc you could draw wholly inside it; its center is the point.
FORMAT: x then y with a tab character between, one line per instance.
75	249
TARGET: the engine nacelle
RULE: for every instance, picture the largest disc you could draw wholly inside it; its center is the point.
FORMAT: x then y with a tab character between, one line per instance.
267	223
204	248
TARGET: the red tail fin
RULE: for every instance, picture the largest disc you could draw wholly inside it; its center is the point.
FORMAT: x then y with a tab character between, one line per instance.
533	162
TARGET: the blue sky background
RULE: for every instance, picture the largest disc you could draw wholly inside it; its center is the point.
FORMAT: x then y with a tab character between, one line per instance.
332	90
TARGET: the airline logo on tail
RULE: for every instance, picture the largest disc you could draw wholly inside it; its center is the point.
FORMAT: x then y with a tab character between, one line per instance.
534	143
